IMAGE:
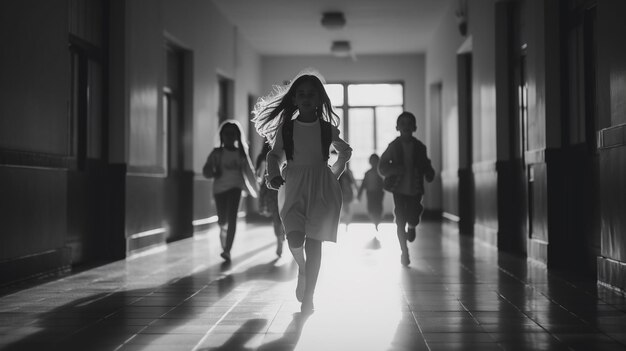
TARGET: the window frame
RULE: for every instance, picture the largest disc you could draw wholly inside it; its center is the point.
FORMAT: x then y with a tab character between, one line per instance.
345	108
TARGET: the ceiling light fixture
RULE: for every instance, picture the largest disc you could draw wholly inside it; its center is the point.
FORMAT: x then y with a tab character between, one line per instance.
341	48
333	20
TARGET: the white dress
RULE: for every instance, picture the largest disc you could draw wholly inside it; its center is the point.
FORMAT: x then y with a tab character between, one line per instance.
310	199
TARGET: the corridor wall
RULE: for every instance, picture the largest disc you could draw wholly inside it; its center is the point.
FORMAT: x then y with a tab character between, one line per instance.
214	49
35	155
83	127
612	144
441	66
529	202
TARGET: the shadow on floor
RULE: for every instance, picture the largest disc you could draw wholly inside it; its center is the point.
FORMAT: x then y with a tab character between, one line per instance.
108	320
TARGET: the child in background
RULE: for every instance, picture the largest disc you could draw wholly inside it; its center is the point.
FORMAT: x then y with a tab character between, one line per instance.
299	121
268	199
404	165
231	167
373	186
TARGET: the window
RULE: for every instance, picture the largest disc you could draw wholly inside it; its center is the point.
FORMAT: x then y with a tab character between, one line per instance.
368	115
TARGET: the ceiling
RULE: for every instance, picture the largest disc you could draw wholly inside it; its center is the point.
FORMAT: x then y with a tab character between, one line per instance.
292	27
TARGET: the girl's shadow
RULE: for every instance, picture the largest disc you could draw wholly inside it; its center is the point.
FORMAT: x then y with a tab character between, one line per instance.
253	327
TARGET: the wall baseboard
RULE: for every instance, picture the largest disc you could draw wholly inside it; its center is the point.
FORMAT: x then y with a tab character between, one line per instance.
140	242
35	265
612	273
538	251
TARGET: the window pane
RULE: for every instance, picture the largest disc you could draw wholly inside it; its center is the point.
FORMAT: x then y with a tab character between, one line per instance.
361	139
386	126
335	93
375	94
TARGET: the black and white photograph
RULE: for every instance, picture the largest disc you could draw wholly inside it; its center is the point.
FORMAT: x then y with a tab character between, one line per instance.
313	175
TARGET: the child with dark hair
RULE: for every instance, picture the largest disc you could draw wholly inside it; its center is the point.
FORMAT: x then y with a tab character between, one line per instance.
372	185
231	167
404	165
301	126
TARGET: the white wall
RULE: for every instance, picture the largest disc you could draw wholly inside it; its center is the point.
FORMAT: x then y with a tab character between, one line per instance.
199	27
441	67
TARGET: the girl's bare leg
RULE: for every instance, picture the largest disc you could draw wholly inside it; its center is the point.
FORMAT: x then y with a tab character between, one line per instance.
313	250
296	246
279	245
278	231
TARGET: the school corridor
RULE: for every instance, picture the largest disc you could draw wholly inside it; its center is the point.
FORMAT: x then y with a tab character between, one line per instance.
456	294
110	108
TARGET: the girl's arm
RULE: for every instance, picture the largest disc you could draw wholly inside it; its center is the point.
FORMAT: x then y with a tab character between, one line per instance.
344	152
276	156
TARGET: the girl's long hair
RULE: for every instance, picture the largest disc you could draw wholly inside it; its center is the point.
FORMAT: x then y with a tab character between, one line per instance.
241	144
271	111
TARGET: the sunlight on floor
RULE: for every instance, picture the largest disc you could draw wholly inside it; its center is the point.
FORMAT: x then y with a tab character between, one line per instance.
345	316
456	294
362	267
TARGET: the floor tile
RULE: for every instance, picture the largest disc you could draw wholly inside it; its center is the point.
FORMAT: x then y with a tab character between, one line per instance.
456	294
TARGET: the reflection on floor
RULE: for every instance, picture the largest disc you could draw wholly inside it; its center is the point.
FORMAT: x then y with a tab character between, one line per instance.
455	295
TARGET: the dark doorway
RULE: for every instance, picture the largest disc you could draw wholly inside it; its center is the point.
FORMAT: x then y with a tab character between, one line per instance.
179	181
512	112
90	234
580	247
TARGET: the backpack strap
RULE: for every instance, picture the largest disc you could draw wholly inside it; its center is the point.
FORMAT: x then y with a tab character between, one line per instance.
326	135
327	138
288	138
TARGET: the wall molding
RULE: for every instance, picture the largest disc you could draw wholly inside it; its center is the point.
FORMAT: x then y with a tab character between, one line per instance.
449	173
147	171
484	166
203	224
612	137
538	250
139	242
31	159
35	265
535	156
450	217
612	273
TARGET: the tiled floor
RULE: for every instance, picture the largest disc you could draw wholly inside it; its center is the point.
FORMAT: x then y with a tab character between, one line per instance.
455	295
